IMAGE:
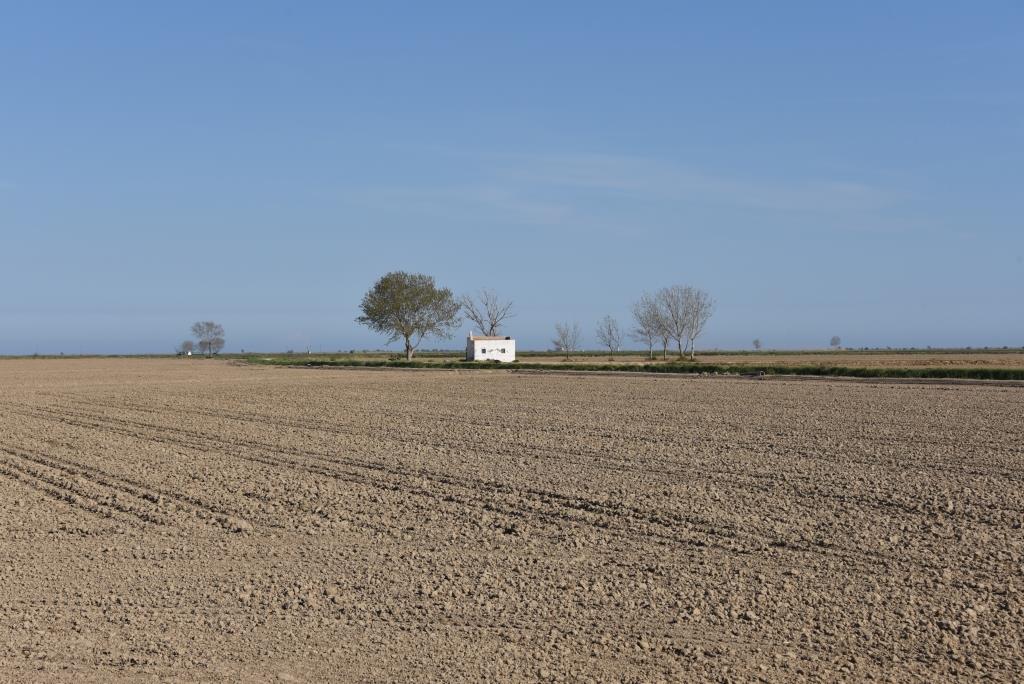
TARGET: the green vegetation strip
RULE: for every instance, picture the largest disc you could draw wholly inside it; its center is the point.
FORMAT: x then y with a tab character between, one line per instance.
720	369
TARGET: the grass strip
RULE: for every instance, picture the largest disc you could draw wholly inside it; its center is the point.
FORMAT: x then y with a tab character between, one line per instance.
691	368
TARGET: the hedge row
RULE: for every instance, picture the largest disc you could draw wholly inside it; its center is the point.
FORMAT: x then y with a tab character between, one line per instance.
692	368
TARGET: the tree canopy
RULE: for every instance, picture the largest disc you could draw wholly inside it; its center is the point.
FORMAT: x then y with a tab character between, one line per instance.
409	307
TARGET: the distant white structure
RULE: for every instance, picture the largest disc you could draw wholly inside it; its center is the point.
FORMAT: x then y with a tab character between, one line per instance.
490	348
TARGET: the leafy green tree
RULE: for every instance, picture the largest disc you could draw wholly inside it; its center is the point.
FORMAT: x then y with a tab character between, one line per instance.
409	307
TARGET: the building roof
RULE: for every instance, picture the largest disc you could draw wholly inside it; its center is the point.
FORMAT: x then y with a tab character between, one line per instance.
487	338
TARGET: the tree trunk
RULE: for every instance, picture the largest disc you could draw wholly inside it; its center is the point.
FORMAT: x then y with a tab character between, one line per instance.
679	343
408	349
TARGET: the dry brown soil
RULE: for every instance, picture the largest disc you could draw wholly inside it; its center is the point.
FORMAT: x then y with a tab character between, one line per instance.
879	360
849	359
197	520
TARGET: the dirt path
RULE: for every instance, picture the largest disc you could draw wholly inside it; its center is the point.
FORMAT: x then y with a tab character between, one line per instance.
198	520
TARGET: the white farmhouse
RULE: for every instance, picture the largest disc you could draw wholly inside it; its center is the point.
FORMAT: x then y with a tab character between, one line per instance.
490	348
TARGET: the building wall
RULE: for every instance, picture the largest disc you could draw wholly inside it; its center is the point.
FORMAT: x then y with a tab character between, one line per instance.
491	350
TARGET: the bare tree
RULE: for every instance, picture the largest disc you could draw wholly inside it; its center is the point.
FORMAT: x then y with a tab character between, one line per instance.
835	342
672	305
185	348
648	326
409	306
609	334
210	337
486	311
699	306
757	344
567	338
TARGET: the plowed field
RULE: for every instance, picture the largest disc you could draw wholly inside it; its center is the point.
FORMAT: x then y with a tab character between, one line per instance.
199	520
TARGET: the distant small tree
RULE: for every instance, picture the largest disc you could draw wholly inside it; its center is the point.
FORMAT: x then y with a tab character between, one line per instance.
647	326
835	342
567	338
698	308
186	347
486	311
757	344
409	307
674	318
684	311
609	335
210	337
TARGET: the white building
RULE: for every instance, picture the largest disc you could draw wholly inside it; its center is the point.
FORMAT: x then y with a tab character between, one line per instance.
490	348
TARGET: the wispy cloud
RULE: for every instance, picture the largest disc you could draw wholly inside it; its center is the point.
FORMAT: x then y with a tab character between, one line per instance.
653	179
591	191
464	201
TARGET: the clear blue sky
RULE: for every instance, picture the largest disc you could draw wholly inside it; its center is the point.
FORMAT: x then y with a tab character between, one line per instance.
821	168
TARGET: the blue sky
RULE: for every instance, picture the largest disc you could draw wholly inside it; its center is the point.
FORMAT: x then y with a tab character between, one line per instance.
821	168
